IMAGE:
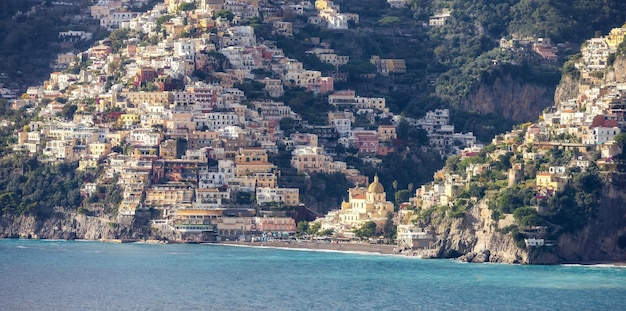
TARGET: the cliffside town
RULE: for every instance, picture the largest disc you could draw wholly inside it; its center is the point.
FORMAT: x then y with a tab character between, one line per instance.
183	114
539	192
133	111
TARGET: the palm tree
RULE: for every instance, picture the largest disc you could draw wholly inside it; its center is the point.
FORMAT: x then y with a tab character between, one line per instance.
395	192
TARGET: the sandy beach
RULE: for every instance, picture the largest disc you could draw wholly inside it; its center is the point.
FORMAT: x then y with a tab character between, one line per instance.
383	249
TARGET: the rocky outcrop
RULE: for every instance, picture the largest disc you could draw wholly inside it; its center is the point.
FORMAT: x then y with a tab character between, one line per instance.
510	98
617	72
604	237
71	226
568	88
474	238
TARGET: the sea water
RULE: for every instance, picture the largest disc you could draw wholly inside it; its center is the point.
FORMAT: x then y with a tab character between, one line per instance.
80	275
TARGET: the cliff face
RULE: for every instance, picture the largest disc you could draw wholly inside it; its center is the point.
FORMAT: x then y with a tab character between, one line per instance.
604	237
474	238
617	72
510	98
568	88
75	226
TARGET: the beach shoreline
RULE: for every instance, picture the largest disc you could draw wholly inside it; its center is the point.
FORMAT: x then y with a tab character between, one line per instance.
362	248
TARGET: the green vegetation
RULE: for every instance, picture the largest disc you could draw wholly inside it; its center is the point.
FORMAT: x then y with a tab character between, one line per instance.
314	109
29	187
305	228
30	42
367	230
572	208
187	6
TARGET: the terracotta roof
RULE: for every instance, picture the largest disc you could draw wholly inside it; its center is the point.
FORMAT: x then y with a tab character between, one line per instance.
601	121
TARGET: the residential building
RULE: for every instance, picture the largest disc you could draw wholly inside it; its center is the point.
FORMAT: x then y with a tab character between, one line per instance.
439	19
308	159
274	224
286	196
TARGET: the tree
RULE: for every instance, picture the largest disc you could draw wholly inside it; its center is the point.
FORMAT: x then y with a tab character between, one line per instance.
187	6
244	198
394	184
620	139
525	216
388	20
68	111
314	228
226	14
367	230
389	228
303	227
402	196
327	232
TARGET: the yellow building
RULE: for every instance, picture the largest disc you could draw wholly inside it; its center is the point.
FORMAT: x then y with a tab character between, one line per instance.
307	159
169	195
128	119
616	37
87	163
99	150
196	216
321	5
250	155
250	168
387	132
268	180
234	226
287	196
151	98
550	182
365	205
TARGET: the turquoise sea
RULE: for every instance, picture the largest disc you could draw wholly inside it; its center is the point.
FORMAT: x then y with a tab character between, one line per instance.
81	275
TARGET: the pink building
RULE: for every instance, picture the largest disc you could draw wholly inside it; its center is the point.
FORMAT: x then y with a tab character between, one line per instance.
322	85
275	224
367	142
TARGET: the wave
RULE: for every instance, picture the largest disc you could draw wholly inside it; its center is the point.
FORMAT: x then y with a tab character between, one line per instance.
304	249
597	265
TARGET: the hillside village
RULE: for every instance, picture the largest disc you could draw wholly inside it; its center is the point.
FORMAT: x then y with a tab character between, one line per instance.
198	152
537	160
134	109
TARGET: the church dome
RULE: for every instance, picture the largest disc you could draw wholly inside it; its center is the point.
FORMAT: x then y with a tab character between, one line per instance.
376	186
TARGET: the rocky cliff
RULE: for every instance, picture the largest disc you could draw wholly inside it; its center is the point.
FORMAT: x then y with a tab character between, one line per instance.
475	237
604	237
568	88
617	72
78	226
510	98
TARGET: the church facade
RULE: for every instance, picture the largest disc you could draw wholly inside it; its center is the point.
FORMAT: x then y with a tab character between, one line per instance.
363	205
